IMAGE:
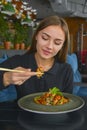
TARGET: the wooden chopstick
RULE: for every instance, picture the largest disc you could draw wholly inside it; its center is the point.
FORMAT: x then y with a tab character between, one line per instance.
19	71
11	70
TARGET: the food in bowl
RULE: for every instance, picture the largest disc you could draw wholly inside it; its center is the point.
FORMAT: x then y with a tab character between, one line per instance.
53	97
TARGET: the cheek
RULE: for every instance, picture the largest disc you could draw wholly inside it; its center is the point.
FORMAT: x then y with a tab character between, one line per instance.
38	42
57	49
39	45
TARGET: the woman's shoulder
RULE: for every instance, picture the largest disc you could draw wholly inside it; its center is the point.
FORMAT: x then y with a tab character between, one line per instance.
20	58
63	64
28	55
65	67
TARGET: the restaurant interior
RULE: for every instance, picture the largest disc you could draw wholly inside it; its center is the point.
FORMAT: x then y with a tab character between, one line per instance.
18	20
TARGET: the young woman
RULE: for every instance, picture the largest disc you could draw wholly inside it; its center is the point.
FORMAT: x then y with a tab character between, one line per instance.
48	52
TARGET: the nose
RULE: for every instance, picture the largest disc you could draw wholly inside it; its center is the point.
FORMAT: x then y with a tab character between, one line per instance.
50	45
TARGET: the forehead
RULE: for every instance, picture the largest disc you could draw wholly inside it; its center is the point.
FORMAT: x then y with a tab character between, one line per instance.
54	31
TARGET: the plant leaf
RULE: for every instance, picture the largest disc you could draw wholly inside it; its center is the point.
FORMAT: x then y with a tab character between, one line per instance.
55	90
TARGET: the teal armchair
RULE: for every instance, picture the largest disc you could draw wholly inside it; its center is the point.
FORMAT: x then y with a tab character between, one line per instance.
7	94
77	77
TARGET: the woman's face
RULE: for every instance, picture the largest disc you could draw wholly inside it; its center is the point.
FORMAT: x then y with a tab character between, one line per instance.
50	41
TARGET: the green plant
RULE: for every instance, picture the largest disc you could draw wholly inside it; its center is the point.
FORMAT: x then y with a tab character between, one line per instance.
5	31
21	33
3	26
18	33
8	36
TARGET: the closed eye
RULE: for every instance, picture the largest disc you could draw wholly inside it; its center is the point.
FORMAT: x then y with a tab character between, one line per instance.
58	42
45	36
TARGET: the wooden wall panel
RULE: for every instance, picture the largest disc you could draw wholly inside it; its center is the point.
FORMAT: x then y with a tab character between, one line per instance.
74	26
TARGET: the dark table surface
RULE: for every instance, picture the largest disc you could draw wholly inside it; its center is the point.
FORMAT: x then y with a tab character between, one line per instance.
14	118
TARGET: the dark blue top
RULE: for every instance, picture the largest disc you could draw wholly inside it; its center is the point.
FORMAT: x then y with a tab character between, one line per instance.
60	75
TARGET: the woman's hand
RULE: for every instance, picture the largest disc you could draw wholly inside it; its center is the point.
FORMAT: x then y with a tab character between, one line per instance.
17	78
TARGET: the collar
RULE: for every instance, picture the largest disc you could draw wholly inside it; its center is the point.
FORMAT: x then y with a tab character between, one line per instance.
54	69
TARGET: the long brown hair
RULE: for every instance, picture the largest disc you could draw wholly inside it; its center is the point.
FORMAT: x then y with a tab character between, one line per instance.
53	20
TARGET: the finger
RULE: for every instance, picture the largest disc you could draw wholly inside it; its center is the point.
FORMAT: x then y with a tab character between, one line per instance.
35	73
19	83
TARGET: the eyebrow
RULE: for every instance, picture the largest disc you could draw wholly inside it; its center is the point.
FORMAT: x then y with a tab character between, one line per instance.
46	34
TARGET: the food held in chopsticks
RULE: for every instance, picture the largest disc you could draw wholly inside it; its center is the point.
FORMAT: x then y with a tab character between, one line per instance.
40	72
53	97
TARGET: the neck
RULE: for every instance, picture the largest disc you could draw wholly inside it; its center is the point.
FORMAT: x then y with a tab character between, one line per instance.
45	64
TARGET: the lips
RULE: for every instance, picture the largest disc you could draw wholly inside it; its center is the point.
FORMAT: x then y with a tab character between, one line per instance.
46	52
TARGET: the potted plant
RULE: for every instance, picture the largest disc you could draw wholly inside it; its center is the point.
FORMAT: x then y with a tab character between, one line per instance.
3	27
5	32
21	34
17	40
8	39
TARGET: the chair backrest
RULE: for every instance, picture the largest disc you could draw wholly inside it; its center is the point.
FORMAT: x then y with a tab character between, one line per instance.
72	60
7	94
